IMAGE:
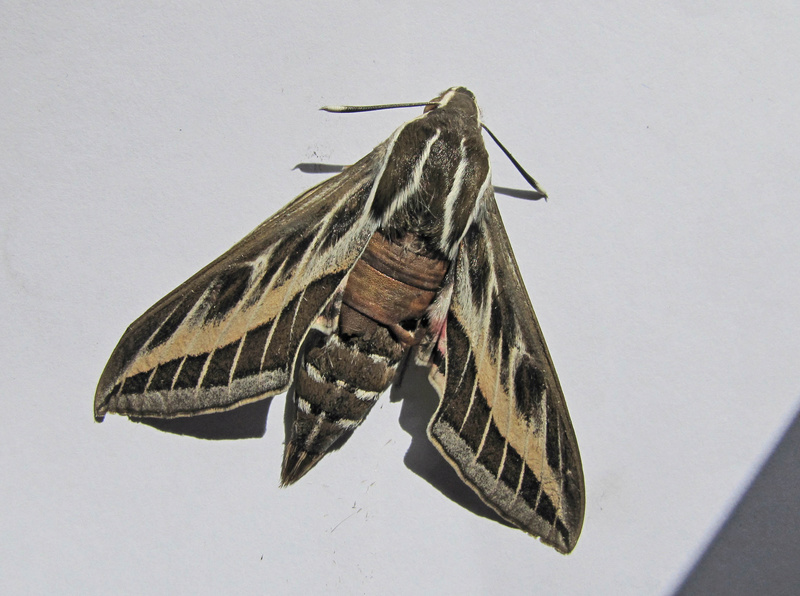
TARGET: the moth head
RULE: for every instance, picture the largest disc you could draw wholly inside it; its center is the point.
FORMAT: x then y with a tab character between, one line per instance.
455	98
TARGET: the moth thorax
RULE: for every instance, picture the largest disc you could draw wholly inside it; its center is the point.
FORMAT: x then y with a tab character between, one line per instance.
392	284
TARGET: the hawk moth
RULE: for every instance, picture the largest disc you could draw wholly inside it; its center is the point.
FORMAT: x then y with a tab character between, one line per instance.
403	251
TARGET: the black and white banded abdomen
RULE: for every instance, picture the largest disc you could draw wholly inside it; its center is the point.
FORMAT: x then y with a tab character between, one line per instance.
340	376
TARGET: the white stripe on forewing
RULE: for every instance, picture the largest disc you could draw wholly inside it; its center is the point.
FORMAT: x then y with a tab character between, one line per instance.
235	362
483	438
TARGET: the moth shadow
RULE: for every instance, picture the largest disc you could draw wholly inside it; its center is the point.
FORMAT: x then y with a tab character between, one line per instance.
422	458
517	193
245	422
319	168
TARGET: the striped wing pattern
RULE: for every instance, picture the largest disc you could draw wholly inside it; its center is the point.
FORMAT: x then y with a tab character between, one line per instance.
230	334
502	421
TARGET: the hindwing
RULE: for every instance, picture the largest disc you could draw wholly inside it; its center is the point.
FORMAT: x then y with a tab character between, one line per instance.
502	421
231	333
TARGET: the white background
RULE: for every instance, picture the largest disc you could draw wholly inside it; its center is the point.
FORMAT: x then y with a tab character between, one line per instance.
140	140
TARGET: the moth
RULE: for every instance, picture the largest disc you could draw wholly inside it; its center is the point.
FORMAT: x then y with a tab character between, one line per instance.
403	253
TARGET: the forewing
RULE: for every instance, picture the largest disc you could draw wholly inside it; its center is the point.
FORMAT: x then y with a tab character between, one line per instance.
502	421
230	334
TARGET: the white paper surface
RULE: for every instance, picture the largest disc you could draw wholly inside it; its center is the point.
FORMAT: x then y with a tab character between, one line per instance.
140	141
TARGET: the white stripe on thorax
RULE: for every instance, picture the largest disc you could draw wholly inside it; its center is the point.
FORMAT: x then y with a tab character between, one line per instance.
446	98
452	197
413	185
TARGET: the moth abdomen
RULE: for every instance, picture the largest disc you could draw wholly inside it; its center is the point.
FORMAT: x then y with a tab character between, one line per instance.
395	282
343	374
336	385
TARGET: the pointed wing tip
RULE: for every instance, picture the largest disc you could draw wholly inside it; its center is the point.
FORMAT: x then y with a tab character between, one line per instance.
561	548
564	539
560	545
100	406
